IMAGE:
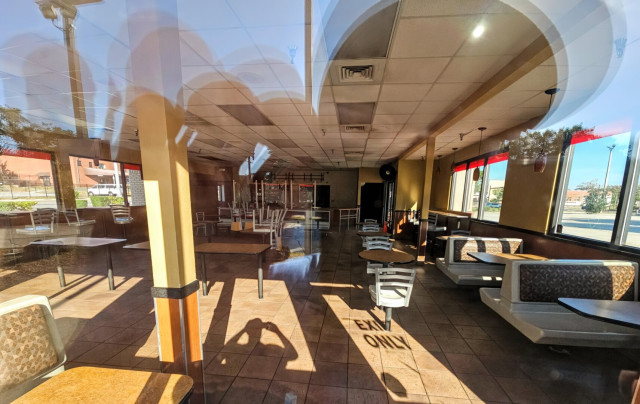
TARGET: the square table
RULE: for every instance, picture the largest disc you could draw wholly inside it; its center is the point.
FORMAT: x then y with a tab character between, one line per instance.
88	384
221	248
504	258
84	242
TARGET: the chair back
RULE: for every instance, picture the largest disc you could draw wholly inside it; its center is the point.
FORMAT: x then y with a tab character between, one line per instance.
71	216
199	216
43	220
379	245
370	221
394	286
370	227
120	213
376	239
432	219
31	349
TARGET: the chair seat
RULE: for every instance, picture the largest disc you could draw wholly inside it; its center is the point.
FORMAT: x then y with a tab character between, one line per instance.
82	222
388	297
123	219
298	217
38	229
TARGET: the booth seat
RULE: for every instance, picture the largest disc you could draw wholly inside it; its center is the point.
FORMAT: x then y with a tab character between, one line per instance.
463	269
530	290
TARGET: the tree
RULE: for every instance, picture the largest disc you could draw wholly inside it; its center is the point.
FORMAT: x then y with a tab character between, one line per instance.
588	185
595	200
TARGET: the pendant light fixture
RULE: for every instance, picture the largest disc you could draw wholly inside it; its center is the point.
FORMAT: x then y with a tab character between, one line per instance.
453	162
541	161
438	167
476	172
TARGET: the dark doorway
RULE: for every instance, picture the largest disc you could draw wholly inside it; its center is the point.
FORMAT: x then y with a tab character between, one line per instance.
323	196
371	201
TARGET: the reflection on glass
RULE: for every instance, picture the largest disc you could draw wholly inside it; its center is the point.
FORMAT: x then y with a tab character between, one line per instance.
595	179
496	173
474	188
457	187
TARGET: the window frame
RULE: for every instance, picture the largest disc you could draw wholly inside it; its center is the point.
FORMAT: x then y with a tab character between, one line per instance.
619	232
467	183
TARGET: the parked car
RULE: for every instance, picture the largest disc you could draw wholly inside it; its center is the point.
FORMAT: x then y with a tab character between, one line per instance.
105	190
493	205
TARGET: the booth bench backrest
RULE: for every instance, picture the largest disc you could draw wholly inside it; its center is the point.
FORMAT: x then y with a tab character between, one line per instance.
546	281
458	248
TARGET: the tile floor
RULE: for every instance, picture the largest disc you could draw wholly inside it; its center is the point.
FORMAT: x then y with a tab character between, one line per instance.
316	332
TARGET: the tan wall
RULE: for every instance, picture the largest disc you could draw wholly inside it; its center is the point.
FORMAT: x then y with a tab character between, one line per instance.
343	183
526	202
441	183
409	184
367	174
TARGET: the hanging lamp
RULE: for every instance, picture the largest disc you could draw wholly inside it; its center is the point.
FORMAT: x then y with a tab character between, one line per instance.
476	172
438	167
541	161
453	162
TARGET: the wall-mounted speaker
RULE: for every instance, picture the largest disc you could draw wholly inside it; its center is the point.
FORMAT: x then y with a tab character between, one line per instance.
387	172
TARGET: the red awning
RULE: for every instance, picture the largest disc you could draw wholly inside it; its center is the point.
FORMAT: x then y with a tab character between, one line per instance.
477	163
460	167
496	158
128	166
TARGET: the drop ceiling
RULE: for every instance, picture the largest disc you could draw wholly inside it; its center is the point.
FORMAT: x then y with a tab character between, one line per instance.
375	88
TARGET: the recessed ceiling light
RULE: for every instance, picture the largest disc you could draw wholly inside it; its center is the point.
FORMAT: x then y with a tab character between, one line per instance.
478	31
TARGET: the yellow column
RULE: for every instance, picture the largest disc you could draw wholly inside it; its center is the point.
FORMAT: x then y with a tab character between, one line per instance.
426	195
155	61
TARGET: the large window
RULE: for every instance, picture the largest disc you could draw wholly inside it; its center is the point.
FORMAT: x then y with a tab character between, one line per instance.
482	197
26	180
593	188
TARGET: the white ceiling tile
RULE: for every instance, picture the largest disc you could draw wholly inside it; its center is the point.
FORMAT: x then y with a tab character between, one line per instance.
288	121
472	69
433	107
451	91
396	107
205	111
250	76
324	108
421	8
356	93
272	110
321	120
294	129
403	92
224	96
431	37
238	130
264	130
425	118
420	71
382	135
390	119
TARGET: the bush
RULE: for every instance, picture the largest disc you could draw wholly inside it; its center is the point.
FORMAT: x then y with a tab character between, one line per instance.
102	201
21	205
81	203
595	201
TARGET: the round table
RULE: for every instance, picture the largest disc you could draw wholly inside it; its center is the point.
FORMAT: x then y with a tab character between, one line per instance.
386	257
373	234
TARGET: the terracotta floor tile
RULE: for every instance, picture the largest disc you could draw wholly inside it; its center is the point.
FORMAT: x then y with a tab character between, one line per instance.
453	345
76	348
100	354
329	374
100	334
482	387
216	386
463	363
279	389
474	332
226	364
357	396
245	390
523	391
397	359
298	370
365	377
442	384
126	358
332	352
403	381
259	367
395	398
326	394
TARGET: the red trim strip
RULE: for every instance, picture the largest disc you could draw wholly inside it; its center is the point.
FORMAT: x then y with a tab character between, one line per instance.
131	166
461	167
477	163
32	154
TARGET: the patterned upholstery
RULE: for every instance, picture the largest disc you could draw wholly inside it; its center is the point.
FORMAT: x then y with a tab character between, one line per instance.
546	283
26	349
461	248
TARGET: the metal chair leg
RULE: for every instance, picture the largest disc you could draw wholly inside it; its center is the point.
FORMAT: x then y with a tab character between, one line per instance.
387	318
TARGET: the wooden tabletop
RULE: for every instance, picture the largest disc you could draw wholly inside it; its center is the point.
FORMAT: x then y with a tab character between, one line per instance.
215	248
103	385
610	311
386	256
504	258
373	234
81	241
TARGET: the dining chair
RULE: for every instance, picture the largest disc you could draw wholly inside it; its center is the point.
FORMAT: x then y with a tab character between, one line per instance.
31	350
377	245
392	289
42	222
370	227
200	224
122	216
73	220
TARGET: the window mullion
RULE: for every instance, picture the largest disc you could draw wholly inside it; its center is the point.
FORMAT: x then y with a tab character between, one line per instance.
483	191
562	189
627	193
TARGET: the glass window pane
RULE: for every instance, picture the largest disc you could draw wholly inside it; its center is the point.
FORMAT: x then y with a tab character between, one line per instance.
26	180
458	189
593	191
494	191
475	187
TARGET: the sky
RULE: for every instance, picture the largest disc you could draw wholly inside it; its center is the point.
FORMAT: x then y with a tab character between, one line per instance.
590	160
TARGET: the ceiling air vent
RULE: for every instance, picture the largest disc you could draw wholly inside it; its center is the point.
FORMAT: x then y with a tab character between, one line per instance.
356	73
356	128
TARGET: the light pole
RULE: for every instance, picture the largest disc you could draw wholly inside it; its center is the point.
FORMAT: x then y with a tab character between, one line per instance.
606	177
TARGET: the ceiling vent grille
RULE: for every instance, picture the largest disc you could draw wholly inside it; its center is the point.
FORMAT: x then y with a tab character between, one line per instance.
356	128
352	74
